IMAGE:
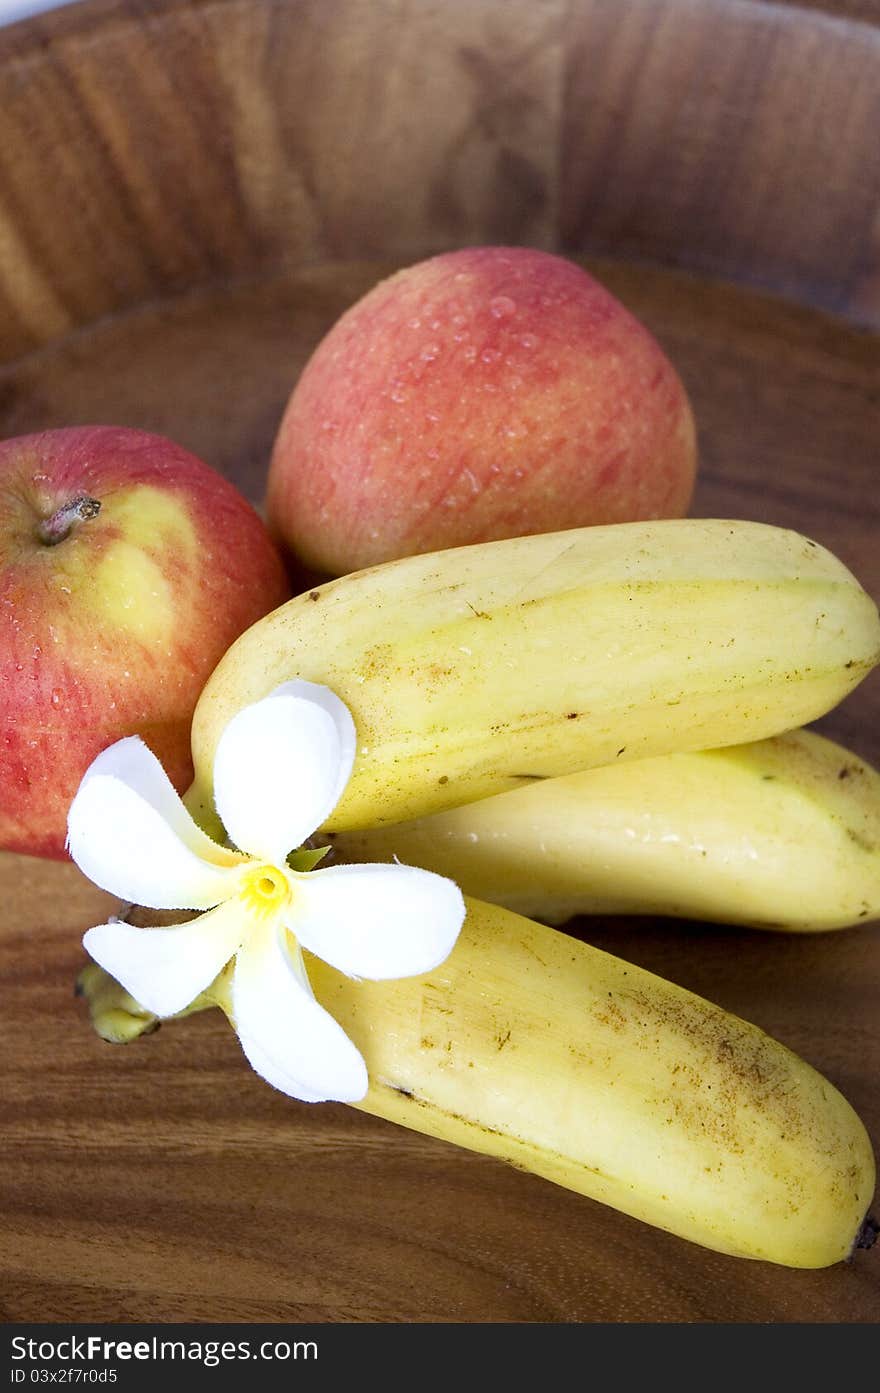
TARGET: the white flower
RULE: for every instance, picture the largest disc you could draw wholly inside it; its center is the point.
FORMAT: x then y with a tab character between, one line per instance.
280	768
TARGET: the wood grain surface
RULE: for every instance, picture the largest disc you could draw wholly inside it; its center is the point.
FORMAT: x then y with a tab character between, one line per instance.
190	194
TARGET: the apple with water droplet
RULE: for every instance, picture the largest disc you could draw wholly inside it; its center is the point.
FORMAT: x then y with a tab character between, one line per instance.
484	393
127	568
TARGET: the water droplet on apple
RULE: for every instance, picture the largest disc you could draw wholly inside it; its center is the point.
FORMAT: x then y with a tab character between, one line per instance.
57	696
436	324
502	307
528	341
415	324
489	355
430	352
472	480
398	396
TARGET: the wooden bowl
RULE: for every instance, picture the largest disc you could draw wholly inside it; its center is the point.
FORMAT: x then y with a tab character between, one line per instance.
190	193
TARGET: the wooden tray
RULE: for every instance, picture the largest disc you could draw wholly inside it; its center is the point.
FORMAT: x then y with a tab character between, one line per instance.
190	193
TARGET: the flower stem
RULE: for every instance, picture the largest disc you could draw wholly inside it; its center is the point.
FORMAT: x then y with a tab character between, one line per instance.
54	529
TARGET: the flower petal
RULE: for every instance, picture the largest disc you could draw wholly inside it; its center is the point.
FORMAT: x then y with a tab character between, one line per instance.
128	831
377	921
287	1036
165	969
281	766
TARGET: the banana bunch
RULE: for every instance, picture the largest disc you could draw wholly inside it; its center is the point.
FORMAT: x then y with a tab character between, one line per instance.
483	683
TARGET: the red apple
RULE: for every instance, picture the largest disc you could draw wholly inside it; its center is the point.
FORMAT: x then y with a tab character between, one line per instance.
485	393
127	568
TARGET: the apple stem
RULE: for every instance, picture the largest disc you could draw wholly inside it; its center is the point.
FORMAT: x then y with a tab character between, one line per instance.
53	530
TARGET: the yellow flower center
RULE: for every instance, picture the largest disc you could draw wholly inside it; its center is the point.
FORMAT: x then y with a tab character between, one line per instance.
264	890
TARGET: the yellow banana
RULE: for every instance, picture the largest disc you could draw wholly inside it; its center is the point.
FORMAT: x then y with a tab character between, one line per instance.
783	833
540	1050
472	670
